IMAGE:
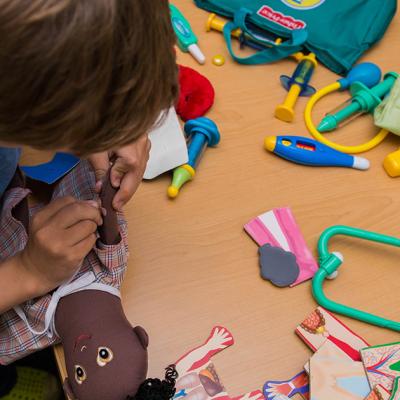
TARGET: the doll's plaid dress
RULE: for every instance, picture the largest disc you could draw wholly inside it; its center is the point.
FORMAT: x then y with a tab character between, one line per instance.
25	329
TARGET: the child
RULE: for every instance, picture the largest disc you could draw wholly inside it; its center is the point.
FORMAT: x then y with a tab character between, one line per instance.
89	77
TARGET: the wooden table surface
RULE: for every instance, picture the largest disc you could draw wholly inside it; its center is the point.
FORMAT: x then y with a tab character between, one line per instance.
192	266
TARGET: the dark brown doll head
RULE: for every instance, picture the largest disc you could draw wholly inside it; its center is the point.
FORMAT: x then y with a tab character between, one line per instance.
106	358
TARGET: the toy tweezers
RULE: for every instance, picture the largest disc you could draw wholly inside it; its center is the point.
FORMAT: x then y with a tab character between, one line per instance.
329	264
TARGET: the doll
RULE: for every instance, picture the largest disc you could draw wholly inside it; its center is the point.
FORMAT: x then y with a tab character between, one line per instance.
106	358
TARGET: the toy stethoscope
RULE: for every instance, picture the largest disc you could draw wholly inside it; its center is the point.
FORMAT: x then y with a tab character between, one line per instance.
367	74
329	264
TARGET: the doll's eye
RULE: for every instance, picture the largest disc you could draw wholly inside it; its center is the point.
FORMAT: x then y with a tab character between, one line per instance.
80	374
104	356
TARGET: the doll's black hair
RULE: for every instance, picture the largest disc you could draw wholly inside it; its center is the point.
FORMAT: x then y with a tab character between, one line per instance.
157	389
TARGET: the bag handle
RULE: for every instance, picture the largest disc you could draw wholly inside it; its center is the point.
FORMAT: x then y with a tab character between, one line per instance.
276	52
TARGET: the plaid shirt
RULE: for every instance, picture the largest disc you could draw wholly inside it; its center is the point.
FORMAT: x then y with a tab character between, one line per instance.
108	264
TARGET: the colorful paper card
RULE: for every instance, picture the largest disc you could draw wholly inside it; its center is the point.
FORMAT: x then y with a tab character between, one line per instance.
332	379
198	378
321	326
328	351
378	393
382	364
396	390
279	228
298	385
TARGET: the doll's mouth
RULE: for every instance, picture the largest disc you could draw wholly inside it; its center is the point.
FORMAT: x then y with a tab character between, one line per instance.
80	338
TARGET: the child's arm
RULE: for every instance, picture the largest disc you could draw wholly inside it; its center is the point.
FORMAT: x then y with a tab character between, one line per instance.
60	237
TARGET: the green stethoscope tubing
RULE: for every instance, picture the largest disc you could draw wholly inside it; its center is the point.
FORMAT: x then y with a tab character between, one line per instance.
330	262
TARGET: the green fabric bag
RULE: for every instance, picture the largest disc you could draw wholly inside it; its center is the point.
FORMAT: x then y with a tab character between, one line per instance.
337	31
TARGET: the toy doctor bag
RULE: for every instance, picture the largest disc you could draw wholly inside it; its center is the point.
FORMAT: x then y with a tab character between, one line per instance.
337	31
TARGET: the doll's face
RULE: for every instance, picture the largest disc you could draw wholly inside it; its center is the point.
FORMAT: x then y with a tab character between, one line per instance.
106	366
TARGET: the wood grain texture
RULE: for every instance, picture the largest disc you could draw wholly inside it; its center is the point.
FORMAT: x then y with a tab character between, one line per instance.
192	266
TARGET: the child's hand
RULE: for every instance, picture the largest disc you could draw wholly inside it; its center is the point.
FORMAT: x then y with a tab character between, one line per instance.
60	237
127	171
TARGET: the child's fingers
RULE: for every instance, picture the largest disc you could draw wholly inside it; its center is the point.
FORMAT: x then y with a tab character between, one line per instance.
76	212
101	164
82	248
120	168
128	187
48	212
80	231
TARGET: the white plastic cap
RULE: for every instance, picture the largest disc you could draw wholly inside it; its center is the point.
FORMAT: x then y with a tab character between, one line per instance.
195	51
361	163
336	273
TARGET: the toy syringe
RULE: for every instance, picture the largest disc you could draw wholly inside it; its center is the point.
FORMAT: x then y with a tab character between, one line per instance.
364	100
187	40
201	133
296	85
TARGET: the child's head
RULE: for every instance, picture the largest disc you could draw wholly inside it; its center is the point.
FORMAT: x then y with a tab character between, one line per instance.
84	75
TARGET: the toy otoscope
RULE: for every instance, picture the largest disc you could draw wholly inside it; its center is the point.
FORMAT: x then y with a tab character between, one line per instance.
329	264
306	151
296	85
364	100
201	133
367	74
187	40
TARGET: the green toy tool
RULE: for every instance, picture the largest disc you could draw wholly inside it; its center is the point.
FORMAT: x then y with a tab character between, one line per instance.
329	264
364	100
201	133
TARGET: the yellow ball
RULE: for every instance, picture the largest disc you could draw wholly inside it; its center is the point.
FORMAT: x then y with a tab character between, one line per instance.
219	60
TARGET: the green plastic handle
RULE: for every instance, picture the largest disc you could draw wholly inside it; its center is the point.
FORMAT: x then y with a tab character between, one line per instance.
329	263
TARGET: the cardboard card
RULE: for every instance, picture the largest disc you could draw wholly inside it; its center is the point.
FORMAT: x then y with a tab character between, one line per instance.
396	390
198	378
328	351
321	326
378	393
279	228
382	364
168	147
332	379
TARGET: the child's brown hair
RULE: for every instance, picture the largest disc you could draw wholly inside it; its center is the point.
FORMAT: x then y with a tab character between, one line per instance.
85	75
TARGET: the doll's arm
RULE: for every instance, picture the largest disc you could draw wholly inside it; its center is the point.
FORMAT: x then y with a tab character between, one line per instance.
219	339
109	230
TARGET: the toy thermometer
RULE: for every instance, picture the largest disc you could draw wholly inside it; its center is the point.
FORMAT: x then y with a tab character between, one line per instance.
307	151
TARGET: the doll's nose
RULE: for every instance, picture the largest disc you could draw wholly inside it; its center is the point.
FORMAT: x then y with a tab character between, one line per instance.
80	339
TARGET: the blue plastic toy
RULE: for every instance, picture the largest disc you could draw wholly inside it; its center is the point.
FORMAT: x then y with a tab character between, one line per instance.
201	133
367	73
307	151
